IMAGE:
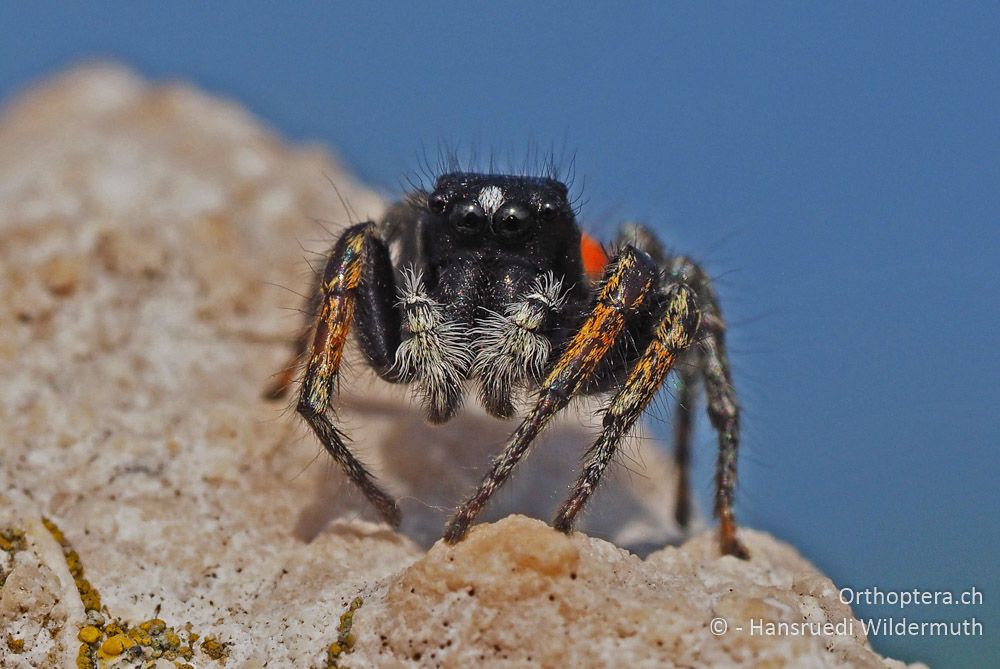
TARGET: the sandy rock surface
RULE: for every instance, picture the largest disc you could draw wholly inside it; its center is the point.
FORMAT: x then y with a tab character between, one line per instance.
156	512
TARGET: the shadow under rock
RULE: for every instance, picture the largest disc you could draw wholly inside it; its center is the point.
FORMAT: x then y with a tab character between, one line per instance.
432	468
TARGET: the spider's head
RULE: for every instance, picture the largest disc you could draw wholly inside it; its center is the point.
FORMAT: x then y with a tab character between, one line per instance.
500	219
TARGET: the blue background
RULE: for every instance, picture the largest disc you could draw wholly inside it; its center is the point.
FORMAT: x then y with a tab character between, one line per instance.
836	166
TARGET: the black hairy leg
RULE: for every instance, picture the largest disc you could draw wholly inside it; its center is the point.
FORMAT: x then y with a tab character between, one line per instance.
683	429
712	366
675	332
724	414
341	278
624	287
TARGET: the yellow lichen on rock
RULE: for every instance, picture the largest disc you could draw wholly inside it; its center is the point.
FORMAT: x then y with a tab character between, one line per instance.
89	634
114	646
214	648
88	594
345	638
12	539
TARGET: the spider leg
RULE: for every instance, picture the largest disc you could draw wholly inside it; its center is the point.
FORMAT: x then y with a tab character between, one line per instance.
713	367
723	409
724	414
674	333
339	287
627	282
378	321
683	428
378	329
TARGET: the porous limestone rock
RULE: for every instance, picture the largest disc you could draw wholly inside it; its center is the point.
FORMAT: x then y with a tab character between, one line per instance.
517	593
156	512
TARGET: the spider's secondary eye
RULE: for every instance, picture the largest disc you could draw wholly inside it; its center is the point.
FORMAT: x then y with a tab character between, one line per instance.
436	202
548	210
467	217
511	220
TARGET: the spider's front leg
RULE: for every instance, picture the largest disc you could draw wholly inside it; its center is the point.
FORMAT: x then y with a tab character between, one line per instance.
355	251
676	327
378	321
625	286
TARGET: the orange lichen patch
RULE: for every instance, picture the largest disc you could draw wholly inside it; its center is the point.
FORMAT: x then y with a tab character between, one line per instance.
154	638
345	640
594	256
89	634
15	645
12	540
88	595
114	646
85	657
214	648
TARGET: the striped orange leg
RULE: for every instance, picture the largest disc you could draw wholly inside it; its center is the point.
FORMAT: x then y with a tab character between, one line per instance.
336	312
627	282
675	332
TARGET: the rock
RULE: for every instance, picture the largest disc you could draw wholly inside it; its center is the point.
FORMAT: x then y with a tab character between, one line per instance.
518	593
156	511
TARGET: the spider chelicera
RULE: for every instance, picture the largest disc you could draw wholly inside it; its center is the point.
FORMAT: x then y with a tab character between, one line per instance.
489	278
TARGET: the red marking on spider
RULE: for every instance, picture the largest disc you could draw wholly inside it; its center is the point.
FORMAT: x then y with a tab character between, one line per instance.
594	257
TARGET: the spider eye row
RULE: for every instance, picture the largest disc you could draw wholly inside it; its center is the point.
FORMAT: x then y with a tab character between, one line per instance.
511	220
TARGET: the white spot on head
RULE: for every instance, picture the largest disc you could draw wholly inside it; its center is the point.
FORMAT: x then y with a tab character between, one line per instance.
490	199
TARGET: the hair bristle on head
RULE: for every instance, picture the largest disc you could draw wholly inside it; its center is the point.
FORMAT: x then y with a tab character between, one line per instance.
554	163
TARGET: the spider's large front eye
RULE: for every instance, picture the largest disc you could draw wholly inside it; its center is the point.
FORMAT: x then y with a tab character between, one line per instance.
467	217
437	202
511	220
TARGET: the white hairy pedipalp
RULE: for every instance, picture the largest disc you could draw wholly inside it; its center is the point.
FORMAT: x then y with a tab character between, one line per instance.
509	347
437	352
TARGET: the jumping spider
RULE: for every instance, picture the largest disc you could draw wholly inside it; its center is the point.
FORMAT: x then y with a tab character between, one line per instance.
489	277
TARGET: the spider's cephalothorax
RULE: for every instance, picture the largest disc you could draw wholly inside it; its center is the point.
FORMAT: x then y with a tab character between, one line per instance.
487	281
